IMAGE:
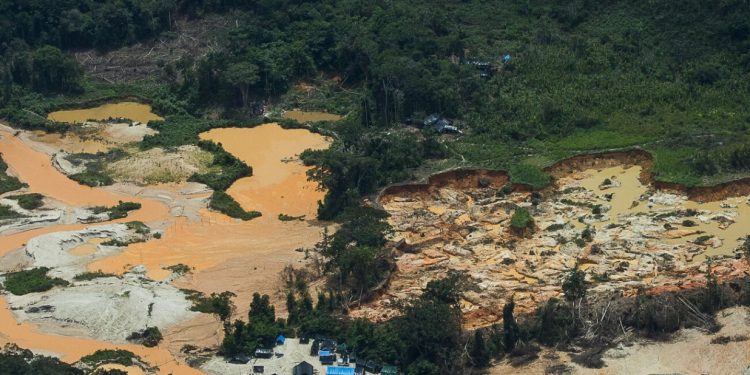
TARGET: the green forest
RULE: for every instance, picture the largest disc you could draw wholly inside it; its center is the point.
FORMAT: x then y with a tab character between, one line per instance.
528	83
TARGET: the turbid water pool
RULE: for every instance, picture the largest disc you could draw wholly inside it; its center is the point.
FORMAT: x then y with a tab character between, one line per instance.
128	110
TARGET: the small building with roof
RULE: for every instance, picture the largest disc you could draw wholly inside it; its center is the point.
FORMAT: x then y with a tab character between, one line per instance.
303	368
334	370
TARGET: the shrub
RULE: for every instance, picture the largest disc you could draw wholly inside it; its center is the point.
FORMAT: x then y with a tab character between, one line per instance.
88	276
139	227
8	183
118	356
529	175
179	268
92	179
285	217
574	285
224	203
219	304
6	212
149	337
29	201
521	219
31	281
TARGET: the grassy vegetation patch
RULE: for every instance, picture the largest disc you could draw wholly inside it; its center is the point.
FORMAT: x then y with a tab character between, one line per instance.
119	211
30	201
521	219
31	281
529	175
92	179
8	183
7	212
179	268
138	226
224	203
95	173
285	217
149	337
229	167
118	356
88	276
217	303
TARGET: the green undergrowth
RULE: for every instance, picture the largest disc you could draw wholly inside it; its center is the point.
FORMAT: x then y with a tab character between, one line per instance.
224	203
119	211
91	275
105	356
30	201
7	182
7	212
31	281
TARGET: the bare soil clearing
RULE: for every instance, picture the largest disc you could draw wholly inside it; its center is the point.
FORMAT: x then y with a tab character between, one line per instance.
625	234
690	352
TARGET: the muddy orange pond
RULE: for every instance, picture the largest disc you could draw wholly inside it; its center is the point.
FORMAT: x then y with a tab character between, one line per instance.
224	253
306	116
128	110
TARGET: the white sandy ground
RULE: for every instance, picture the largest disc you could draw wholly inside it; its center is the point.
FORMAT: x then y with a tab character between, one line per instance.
52	250
183	200
294	353
690	352
106	309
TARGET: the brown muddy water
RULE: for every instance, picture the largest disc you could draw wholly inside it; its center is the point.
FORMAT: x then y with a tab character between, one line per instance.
129	110
305	116
625	200
229	254
226	254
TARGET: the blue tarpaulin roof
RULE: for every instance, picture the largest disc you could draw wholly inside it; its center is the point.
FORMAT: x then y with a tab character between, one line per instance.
280	339
332	370
324	353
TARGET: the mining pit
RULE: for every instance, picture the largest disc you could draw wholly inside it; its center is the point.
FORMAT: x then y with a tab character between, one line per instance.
601	213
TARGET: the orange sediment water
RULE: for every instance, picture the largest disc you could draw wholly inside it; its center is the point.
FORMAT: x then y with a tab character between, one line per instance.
631	189
226	254
305	116
35	169
130	110
73	348
229	254
279	182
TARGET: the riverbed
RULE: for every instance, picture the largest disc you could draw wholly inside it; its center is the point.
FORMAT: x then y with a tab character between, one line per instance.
224	253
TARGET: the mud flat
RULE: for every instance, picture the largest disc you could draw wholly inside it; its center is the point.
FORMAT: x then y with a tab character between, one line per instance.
124	110
306	116
227	254
625	235
99	129
34	168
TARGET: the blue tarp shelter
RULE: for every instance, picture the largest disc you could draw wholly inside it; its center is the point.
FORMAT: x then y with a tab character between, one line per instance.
333	370
280	340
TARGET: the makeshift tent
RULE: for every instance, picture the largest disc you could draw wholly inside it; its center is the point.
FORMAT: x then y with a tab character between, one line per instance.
327	357
263	353
303	368
333	370
280	340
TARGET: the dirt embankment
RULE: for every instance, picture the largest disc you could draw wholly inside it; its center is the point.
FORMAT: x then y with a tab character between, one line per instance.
456	178
600	211
470	177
